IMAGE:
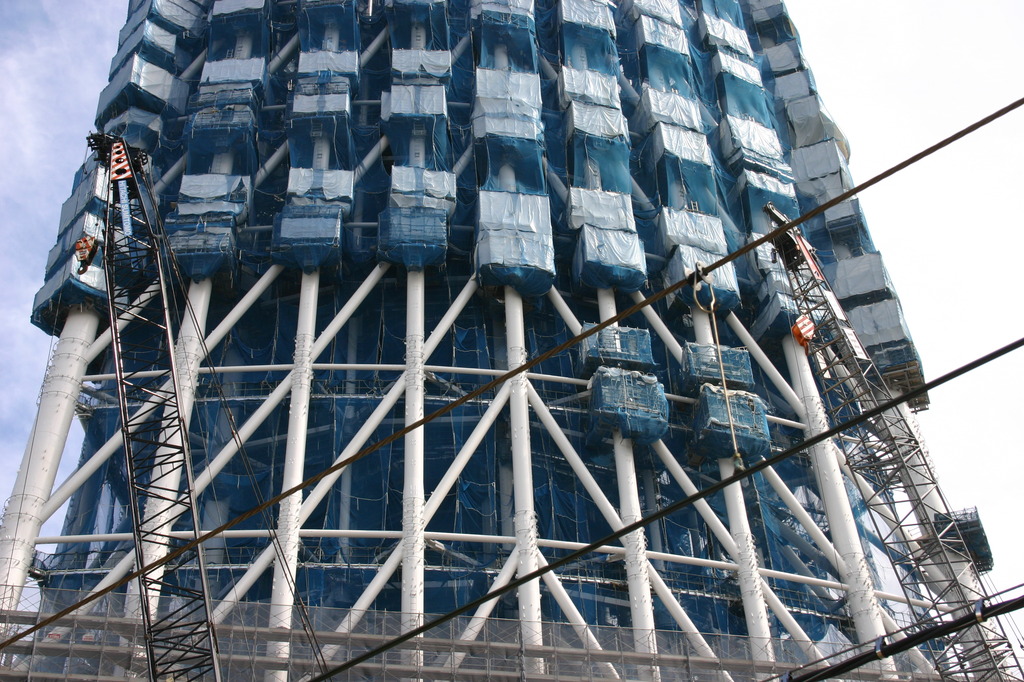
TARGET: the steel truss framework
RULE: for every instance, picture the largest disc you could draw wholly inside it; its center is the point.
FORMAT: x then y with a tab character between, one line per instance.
824	575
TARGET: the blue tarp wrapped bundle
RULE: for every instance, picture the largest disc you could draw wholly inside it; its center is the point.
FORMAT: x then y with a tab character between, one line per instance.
239	44
664	56
203	244
630	402
307	237
415	119
137	127
753	190
620	347
510	164
848	230
883	331
328	26
740	90
506	41
701	366
860	280
719	288
821	171
514	245
680	159
417	24
414	236
599	148
712	435
155	44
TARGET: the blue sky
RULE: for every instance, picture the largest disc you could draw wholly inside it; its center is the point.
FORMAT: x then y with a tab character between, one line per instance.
897	75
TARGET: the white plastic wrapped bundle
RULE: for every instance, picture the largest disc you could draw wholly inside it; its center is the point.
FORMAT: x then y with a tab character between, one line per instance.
235	71
665	107
87	224
139	81
588	86
183	15
861	276
652	31
754	190
609	258
431	64
664	10
508	104
794	85
809	123
724	63
818	160
412	187
520	7
682	143
514	246
743	137
595	207
89	193
694	229
225	7
684	261
326	184
325	60
596	13
785	57
333	103
878	323
421	100
594	120
717	32
149	33
213	193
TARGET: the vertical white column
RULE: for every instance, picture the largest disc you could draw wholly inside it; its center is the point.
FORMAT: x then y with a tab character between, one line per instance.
282	599
61	386
854	569
525	518
751	586
413	496
638	579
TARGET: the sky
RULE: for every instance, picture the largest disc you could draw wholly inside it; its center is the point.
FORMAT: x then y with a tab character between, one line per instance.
897	75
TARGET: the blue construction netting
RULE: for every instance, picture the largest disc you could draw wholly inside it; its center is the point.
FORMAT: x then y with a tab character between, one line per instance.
650	146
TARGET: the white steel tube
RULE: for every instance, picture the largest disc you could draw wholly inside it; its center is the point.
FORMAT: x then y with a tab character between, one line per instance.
372	48
614	521
282	598
864	606
722	534
23	515
103	453
413	522
479	619
637	577
751	592
370	158
283	55
564	311
525	519
384	574
316	496
659	327
573	615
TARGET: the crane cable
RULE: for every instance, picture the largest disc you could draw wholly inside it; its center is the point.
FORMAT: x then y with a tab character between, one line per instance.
690	280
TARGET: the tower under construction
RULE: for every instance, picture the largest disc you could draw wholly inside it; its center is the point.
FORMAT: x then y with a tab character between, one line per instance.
310	225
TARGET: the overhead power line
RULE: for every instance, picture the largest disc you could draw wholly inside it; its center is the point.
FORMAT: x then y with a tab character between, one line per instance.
690	280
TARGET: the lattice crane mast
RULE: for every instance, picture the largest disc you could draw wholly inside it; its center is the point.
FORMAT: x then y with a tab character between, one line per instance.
174	597
893	470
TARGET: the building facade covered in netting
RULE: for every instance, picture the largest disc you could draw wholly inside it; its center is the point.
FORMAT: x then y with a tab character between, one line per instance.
376	208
